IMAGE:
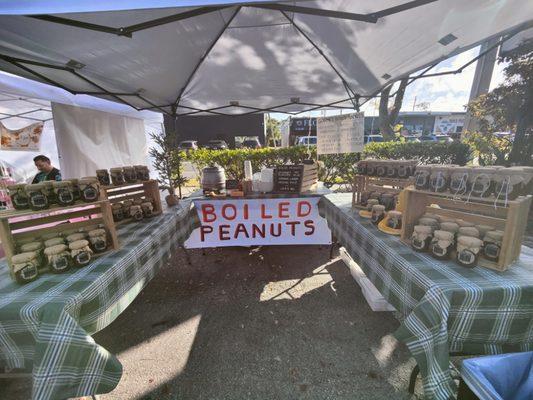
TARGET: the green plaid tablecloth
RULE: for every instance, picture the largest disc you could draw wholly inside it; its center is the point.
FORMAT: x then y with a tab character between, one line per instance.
446	308
45	326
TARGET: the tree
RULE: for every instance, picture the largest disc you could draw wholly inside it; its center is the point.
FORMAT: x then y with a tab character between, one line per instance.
389	115
273	133
167	162
509	107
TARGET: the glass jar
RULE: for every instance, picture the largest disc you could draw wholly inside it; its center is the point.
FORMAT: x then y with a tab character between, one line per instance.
509	183
381	168
394	220
492	244
147	209
80	252
388	200
392	168
136	212
459	180
378	213
98	240
75	184
58	258
361	167
25	266
468	249
49	192
89	189
142	172
440	178
64	193
371	166
117	176
103	177
130	175
19	196
422	177
118	212
480	182
37	196
442	244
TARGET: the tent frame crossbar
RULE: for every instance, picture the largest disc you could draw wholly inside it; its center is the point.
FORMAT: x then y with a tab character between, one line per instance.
127	31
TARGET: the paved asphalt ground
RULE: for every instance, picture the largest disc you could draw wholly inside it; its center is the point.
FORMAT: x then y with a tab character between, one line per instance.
265	323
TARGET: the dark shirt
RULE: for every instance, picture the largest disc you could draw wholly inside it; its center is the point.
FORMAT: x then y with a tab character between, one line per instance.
53	175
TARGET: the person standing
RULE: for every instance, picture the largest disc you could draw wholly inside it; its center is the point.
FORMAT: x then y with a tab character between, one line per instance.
47	172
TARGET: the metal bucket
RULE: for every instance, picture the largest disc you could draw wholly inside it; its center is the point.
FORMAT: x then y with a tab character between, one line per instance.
213	179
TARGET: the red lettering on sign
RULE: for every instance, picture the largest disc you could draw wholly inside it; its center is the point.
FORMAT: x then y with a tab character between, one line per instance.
223	232
229	217
264	215
204	229
283	209
208	213
241	229
300	211
309	224
293	224
278	233
258	231
245	211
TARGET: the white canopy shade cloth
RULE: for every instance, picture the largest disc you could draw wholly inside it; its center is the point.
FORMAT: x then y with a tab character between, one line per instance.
182	57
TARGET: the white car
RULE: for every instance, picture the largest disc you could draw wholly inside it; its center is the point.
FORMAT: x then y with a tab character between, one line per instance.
306	141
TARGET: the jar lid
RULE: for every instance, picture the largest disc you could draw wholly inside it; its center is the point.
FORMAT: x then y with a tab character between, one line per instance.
443	235
78	244
54	250
394	213
469	241
97	232
494	235
75	237
468	231
16	186
88	179
428	221
62	183
116	169
378	207
54	242
423	229
35	186
24	257
32	246
449	226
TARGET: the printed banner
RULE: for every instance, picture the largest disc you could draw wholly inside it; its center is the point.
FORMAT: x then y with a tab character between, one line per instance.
340	134
242	222
25	139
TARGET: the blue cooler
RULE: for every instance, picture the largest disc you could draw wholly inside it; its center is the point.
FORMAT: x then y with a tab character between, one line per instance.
501	377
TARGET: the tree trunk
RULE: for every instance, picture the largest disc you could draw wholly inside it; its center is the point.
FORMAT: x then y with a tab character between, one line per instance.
388	117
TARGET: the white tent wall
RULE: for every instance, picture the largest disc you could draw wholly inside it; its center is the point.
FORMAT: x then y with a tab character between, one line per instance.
88	140
40	95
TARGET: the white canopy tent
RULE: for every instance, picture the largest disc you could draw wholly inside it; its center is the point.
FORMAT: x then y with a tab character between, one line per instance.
229	57
23	102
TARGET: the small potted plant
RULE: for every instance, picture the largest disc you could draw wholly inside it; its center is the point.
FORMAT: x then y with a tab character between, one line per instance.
167	162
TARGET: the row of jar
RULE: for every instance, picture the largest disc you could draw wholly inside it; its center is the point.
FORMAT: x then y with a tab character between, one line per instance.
122	175
136	209
57	253
378	213
371	198
387	168
39	196
503	183
462	240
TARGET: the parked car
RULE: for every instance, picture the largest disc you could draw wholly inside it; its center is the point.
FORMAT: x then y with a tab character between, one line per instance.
188	145
217	145
251	144
411	138
306	141
428	138
443	138
373	138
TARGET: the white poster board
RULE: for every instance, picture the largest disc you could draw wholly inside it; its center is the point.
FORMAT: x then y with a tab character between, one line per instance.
341	134
251	222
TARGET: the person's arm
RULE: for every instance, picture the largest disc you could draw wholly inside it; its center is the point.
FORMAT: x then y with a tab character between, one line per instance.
35	179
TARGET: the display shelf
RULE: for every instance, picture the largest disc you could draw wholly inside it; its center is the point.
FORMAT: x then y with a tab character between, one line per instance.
141	190
363	183
27	224
511	219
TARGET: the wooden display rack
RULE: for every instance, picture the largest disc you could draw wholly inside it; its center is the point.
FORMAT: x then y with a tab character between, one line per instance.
141	190
57	219
510	217
364	183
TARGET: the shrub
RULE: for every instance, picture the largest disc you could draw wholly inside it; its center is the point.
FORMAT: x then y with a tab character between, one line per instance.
426	152
337	168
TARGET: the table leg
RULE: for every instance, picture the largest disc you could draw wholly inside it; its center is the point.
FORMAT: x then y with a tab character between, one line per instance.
412	379
332	246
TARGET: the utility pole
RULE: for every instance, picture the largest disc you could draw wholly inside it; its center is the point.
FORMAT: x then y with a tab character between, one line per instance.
482	78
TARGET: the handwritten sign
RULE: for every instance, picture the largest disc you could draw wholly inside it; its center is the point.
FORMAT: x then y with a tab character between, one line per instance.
340	134
250	222
288	178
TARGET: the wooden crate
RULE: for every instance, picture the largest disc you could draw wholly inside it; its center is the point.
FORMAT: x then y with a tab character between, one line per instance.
309	177
23	224
142	190
363	183
510	217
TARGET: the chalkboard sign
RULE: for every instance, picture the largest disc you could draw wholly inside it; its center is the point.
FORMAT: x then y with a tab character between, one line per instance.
288	178
232	184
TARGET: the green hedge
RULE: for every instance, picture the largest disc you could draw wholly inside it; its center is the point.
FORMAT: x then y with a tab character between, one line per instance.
335	167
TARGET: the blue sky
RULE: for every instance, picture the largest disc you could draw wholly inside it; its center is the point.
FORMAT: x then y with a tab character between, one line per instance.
443	93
